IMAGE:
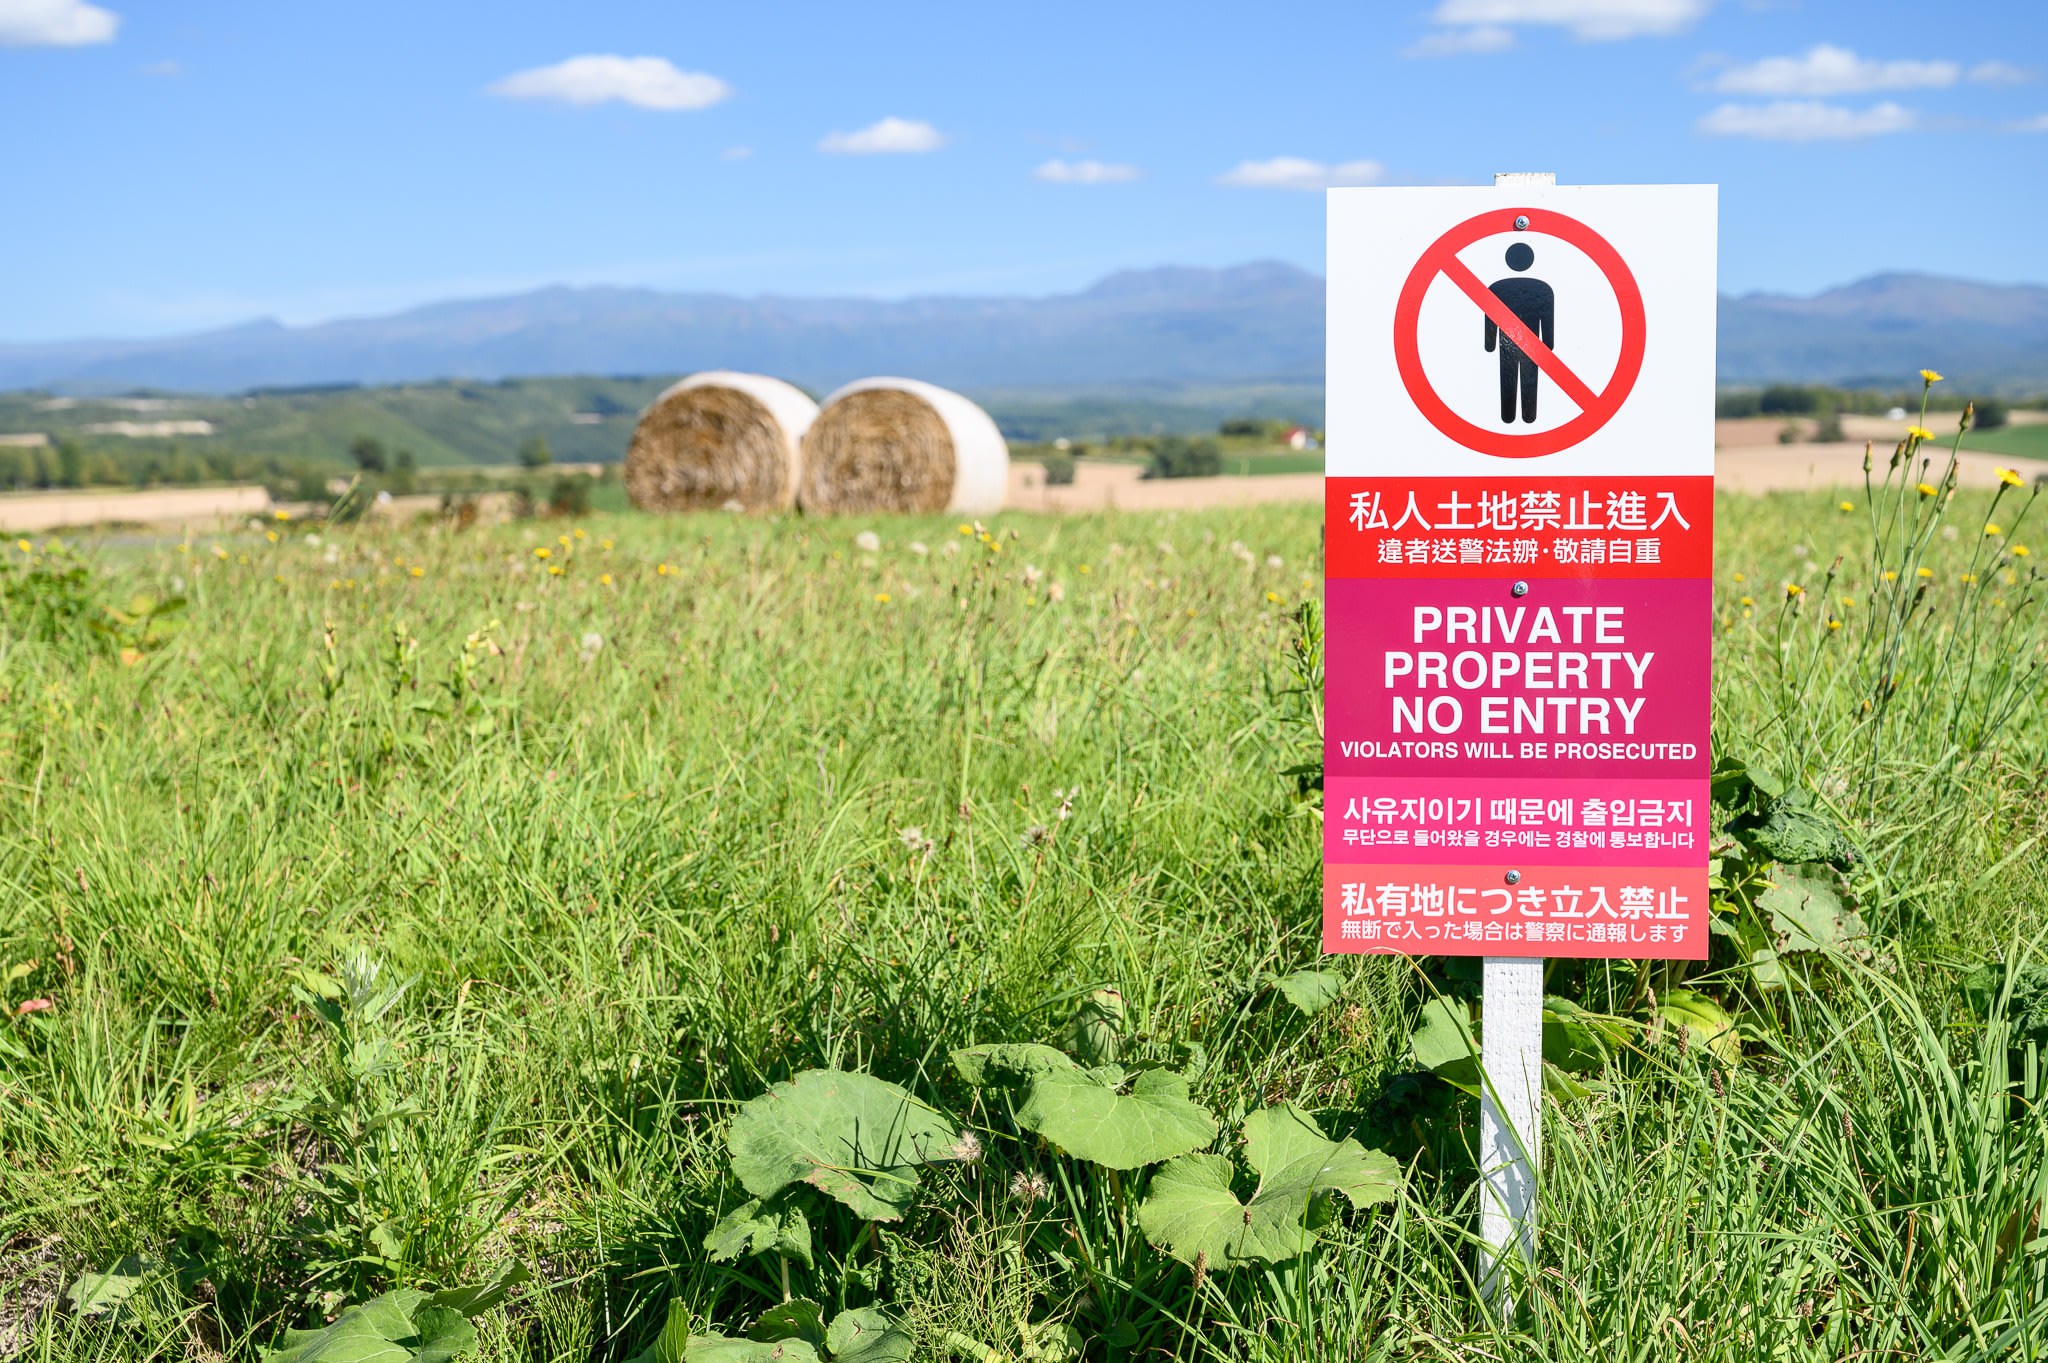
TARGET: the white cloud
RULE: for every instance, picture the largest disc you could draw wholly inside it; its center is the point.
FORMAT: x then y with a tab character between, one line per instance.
1459	42
2037	124
1085	173
55	23
1829	70
1806	120
1294	172
1589	20
735	153
889	135
645	82
2000	73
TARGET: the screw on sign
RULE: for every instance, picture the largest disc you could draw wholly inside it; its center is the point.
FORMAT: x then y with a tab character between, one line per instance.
1520	324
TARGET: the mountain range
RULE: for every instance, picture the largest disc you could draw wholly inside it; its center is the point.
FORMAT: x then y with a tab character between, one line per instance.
1167	328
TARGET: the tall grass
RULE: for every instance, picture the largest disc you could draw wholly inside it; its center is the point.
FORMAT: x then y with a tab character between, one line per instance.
414	908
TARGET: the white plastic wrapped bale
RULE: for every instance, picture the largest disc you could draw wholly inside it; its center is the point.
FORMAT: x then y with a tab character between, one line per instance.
720	439
902	445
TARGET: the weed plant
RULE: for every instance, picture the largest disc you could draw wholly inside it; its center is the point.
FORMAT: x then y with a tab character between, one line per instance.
435	901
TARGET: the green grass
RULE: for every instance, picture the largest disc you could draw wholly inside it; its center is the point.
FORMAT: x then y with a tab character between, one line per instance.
2028	441
763	802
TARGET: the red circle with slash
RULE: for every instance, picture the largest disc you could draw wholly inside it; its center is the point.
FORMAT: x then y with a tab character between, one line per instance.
1595	409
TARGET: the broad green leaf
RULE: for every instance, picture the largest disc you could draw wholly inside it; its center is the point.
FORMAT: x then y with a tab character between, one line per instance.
1808	913
1001	1064
114	1293
1706	1021
1443	1041
865	1335
854	1137
398	1327
1792	830
1310	991
776	1226
474	1301
1295	1159
800	1318
1579	1040
1092	1120
1096	1031
2026	1009
1559	1083
672	1343
1194	1215
718	1349
1085	1113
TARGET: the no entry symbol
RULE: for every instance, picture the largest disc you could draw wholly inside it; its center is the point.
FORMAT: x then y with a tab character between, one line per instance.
1595	409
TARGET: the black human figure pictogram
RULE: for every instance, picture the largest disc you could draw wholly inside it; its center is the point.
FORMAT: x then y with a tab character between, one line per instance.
1532	301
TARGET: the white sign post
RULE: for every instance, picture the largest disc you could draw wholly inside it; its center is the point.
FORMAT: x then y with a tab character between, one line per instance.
1511	1105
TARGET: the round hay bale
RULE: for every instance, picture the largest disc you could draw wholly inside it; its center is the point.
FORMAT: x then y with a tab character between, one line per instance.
719	439
902	445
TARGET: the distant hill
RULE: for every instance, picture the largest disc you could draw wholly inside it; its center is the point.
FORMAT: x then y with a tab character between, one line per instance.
1879	332
1132	336
1249	322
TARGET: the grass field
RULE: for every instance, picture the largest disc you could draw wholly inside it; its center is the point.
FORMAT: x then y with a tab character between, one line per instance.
2027	441
411	905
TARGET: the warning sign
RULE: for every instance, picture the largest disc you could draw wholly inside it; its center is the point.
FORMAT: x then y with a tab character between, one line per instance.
1519	522
1520	314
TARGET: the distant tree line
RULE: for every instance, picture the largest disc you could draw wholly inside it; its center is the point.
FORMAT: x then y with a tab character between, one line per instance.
1825	403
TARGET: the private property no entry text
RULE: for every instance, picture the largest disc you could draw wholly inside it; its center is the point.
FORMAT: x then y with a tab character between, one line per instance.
1608	682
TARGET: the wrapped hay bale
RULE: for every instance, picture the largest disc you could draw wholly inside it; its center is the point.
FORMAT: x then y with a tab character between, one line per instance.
719	439
902	445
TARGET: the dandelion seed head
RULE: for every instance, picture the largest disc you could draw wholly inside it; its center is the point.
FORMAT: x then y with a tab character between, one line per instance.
868	542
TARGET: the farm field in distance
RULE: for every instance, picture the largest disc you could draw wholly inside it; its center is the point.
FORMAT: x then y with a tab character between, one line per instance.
422	908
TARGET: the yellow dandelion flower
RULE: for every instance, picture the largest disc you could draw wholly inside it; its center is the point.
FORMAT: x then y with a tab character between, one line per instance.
241	558
604	579
2021	551
662	570
2010	477
1920	433
966	529
1846	506
1794	589
1926	572
1834	625
1272	596
1084	568
1740	577
283	515
1848	601
24	546
1969	578
1927	489
542	552
1890	576
1748	601
995	546
1929	376
579	534
562	540
277	577
881	598
1747	614
270	535
419	572
554	570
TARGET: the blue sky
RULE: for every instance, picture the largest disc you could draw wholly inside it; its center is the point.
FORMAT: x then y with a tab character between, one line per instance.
172	167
